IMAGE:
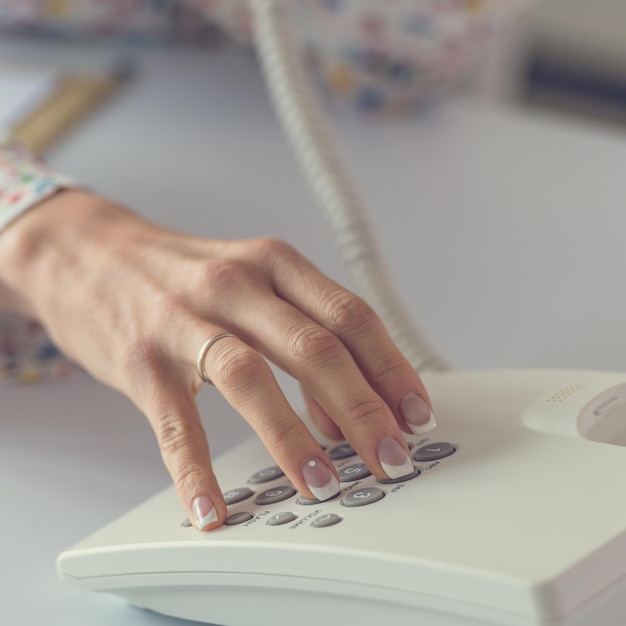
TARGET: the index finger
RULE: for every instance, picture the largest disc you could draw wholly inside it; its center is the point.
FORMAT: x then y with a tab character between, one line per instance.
170	407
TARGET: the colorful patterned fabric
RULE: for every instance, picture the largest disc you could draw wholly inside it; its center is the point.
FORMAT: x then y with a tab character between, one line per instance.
28	356
25	180
391	57
380	56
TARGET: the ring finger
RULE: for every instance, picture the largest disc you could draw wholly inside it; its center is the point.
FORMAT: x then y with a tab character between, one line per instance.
241	374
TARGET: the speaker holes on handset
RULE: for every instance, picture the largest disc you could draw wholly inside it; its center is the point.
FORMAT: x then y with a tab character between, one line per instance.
563	394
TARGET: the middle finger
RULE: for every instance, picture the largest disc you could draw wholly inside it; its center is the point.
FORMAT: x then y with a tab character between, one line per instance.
328	372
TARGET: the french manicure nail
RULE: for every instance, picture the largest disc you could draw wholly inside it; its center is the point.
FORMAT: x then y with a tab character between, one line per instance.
320	480
204	511
394	460
417	414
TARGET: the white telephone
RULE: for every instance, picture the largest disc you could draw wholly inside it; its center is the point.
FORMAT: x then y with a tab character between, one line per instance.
473	537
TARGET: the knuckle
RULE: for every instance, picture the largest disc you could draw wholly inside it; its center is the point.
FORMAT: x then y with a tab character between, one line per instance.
363	410
186	477
177	440
168	307
271	248
390	367
144	352
346	311
174	434
313	342
236	366
222	275
281	433
142	356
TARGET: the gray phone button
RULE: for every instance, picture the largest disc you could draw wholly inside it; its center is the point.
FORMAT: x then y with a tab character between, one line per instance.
342	451
308	501
328	519
276	494
362	497
281	518
434	451
265	475
238	518
237	495
356	471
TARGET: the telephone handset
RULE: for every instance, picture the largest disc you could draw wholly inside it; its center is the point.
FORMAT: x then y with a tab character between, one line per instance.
514	513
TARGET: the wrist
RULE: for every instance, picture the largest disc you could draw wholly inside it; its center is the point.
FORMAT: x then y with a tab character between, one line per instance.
36	246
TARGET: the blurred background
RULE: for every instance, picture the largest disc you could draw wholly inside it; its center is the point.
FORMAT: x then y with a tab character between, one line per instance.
389	73
568	56
389	58
487	137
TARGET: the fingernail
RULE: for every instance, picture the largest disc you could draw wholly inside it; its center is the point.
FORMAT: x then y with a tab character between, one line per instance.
320	480
394	460
204	511
417	414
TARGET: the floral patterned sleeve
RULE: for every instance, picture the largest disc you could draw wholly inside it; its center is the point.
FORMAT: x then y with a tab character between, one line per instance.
25	180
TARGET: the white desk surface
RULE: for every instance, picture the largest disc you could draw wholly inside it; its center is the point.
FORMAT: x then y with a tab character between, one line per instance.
505	231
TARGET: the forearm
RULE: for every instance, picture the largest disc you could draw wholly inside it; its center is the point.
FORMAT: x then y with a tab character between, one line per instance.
22	250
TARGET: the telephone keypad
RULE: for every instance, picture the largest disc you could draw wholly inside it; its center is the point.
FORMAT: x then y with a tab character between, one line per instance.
361	496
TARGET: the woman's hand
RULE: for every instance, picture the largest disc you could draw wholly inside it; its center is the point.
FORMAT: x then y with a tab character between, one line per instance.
133	303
